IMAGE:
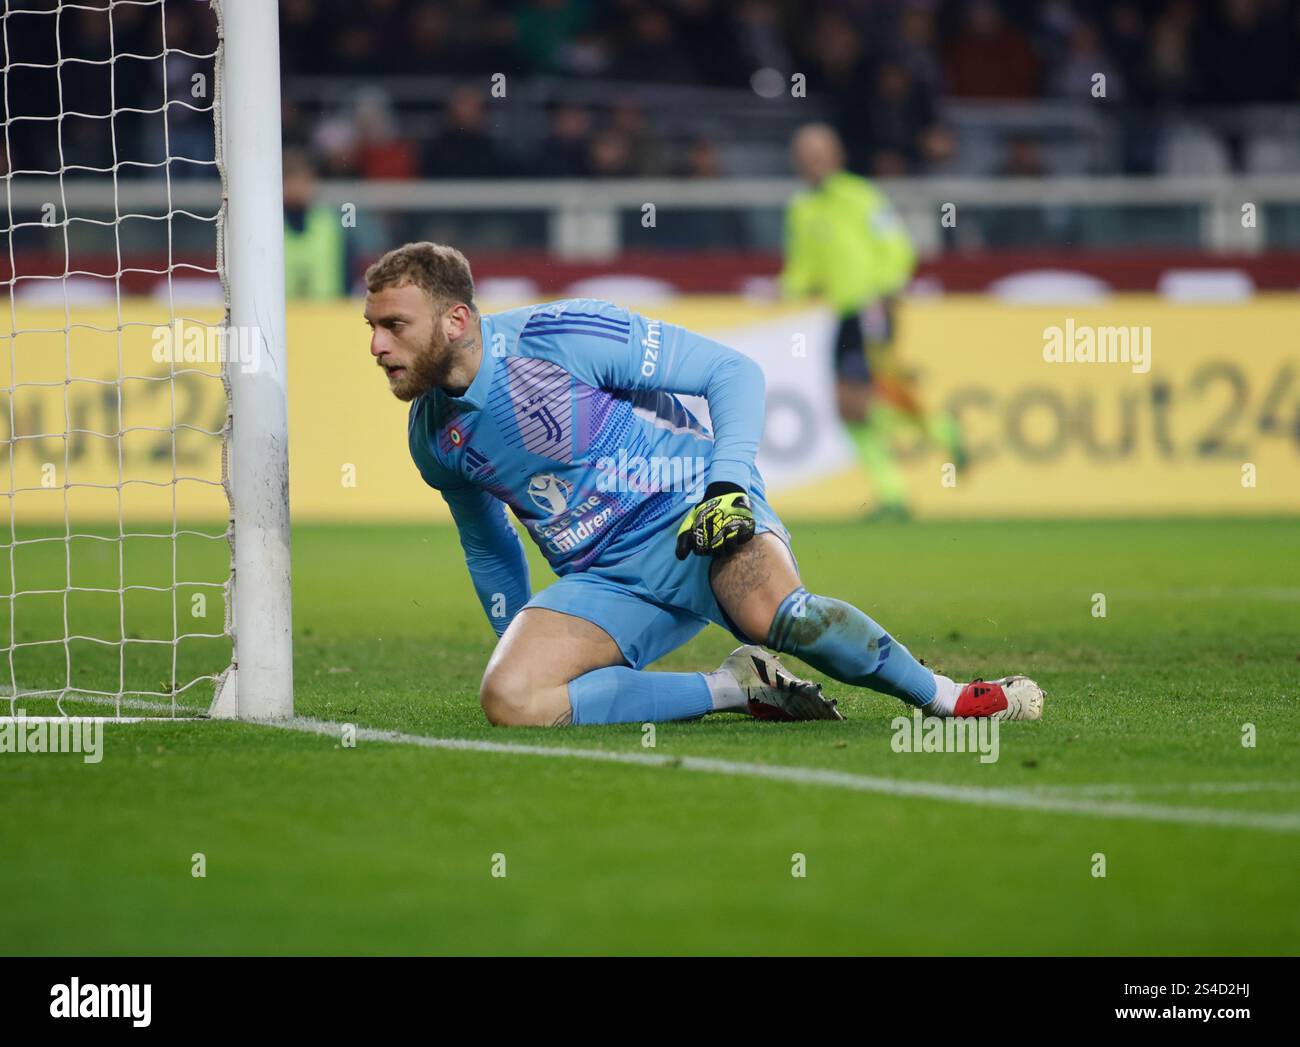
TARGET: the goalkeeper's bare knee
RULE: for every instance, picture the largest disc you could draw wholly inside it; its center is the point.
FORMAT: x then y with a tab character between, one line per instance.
512	697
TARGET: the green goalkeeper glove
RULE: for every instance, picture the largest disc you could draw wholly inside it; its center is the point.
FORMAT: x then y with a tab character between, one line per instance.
723	521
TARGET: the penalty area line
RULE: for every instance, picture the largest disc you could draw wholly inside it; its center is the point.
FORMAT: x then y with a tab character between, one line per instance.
977	796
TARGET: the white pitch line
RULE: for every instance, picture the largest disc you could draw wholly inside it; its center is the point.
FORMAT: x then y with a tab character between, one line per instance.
6	693
93	719
1130	788
1041	797
1020	799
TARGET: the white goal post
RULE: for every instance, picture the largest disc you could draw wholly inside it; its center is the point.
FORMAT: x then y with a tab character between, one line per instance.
260	682
147	469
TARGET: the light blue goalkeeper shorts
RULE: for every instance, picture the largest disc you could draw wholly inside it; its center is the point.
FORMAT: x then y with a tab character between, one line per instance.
651	603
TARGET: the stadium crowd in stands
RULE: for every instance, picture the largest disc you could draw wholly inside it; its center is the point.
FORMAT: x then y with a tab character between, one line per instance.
884	71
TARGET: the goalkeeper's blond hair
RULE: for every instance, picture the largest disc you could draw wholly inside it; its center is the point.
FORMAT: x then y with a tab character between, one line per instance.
439	270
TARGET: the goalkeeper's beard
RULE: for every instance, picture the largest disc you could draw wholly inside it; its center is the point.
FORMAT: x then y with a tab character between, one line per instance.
429	369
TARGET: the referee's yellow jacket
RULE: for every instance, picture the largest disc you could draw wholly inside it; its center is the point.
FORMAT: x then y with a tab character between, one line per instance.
844	241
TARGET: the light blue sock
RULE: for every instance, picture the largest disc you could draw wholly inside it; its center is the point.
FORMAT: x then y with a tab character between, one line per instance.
617	694
841	641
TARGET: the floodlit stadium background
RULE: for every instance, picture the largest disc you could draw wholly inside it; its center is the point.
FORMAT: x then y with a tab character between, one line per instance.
537	136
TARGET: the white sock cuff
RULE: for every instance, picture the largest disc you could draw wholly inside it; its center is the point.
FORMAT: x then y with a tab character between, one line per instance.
944	702
725	692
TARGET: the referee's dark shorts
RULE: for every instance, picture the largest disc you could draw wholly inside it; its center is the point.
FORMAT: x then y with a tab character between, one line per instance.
855	333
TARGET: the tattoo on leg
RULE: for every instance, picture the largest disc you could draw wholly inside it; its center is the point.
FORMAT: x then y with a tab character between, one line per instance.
565	719
741	573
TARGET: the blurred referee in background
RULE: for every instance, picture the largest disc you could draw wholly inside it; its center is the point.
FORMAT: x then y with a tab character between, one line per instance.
843	241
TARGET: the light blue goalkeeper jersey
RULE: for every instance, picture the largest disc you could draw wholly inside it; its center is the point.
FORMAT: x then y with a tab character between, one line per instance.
572	421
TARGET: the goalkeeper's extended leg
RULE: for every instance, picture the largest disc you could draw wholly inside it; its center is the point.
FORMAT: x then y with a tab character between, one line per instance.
759	588
552	669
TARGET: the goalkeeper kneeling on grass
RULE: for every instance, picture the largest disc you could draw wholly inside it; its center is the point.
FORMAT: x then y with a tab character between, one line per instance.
538	409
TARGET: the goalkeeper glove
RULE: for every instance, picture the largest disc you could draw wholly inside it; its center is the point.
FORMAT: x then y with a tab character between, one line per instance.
723	521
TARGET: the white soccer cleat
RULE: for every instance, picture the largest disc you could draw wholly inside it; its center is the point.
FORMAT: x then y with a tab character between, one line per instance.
773	692
1010	698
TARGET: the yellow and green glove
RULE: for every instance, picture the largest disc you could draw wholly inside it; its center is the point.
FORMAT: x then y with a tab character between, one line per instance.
723	521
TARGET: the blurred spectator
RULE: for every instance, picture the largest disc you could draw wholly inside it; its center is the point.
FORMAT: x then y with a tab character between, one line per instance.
184	86
564	154
1024	159
497	45
544	29
1083	59
429	44
646	152
916	49
990	57
296	126
707	225
589	54
702	160
315	254
1244	54
1125	34
841	74
380	151
1019	225
1242	51
464	148
334	141
610	155
707	35
1126	39
1170	76
898	114
759	36
309	38
652	51
85	142
939	147
359	47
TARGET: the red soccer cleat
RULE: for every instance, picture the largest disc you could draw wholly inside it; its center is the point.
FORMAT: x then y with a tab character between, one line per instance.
1010	698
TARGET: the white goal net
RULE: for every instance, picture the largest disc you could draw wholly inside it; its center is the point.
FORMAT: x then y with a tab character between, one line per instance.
123	361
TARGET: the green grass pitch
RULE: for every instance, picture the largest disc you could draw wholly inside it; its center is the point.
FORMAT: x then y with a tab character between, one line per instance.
311	847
